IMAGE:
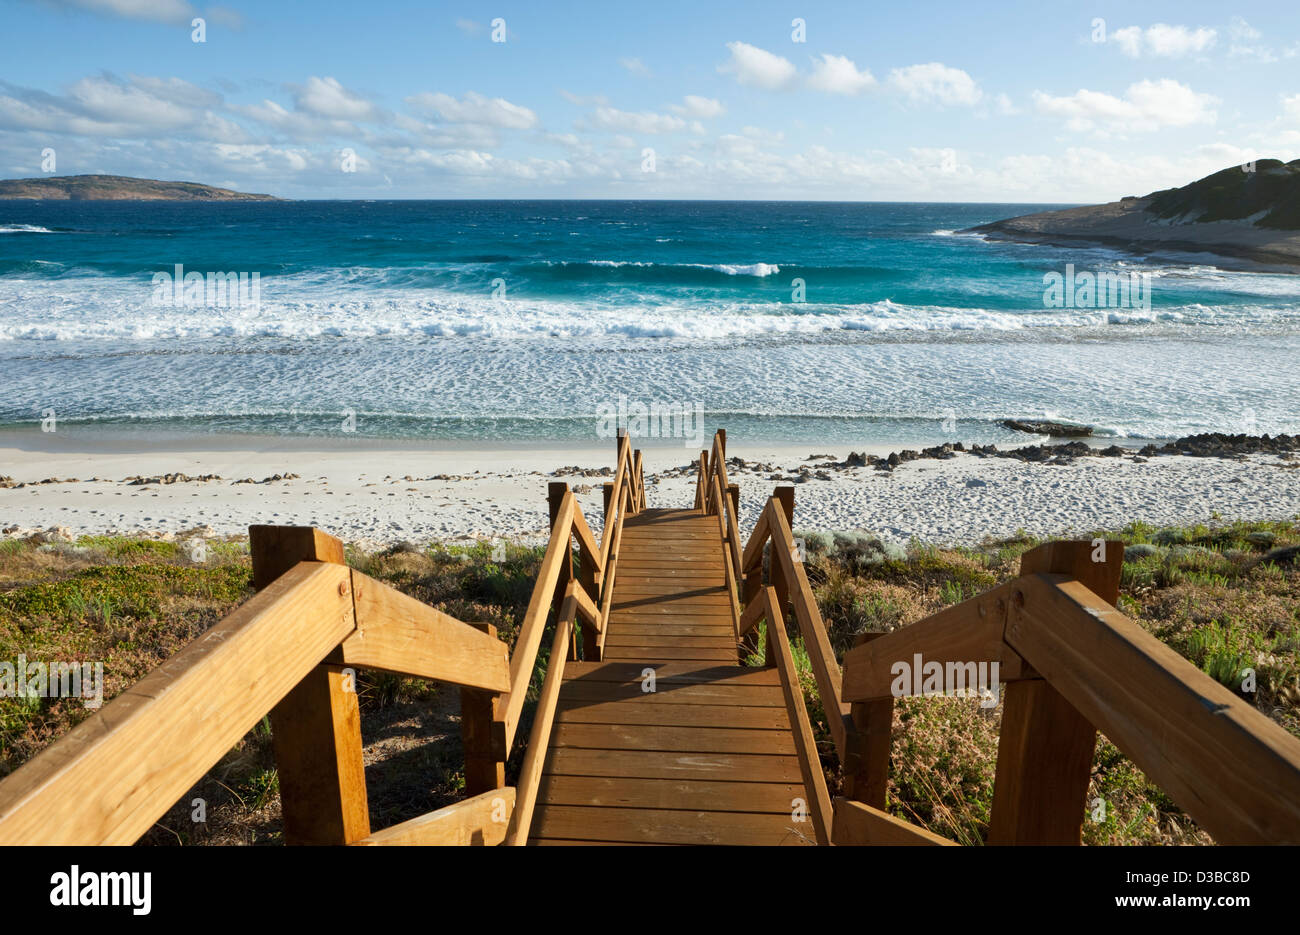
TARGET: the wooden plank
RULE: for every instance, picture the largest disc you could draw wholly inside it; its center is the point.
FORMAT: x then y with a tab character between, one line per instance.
397	633
621	712
750	695
860	824
524	656
674	739
530	774
688	628
674	674
818	802
1233	770
654	654
692	795
481	820
669	608
649	764
316	727
666	826
672	590
1046	745
967	632
694	641
692	578
127	764
640	614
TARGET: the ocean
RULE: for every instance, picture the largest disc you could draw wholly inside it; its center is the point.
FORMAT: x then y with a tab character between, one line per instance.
520	322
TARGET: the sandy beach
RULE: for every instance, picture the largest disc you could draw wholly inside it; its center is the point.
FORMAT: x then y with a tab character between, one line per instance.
377	493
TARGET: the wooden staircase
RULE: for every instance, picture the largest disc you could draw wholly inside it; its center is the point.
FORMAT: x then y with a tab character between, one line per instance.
670	740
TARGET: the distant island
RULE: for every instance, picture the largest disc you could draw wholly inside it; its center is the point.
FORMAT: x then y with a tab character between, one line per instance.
118	188
1246	217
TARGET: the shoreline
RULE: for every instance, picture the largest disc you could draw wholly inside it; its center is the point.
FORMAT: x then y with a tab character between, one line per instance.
379	496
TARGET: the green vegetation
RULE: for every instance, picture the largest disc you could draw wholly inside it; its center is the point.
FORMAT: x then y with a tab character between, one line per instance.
1233	194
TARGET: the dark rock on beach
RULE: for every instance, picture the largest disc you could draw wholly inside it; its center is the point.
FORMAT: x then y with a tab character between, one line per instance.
1048	427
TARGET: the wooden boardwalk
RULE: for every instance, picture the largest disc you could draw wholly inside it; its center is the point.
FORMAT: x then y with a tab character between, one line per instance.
708	756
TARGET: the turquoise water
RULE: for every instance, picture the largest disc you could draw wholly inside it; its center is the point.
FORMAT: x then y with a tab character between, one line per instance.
517	321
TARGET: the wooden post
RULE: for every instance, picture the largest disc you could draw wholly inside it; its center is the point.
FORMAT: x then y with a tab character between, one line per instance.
785	497
701	485
1046	746
722	443
482	735
733	493
555	492
866	763
316	728
638	501
608	490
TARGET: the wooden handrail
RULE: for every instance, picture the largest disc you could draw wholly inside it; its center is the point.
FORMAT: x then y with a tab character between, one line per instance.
816	642
810	765
1231	768
479	820
127	764
530	776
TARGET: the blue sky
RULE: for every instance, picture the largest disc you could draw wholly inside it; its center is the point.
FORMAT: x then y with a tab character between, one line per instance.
1045	101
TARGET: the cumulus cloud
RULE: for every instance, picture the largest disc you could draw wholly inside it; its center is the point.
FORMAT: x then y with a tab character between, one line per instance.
837	74
610	118
1146	105
107	106
699	107
635	66
325	97
757	67
935	83
475	108
1163	40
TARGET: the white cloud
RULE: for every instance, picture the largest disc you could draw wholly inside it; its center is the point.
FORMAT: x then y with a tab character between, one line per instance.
158	11
475	108
1240	30
837	74
699	107
935	83
1003	105
1163	40
1146	105
635	66
325	97
468	26
610	118
758	68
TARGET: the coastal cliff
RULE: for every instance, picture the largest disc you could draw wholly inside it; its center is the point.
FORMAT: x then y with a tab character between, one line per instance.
1246	217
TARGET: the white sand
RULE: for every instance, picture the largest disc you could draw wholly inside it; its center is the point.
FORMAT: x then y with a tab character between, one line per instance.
357	490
